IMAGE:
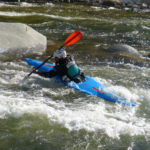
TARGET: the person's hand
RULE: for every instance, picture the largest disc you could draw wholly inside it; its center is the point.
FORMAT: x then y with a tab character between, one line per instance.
35	71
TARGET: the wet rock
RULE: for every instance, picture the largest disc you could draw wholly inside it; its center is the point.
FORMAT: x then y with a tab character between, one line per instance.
143	6
148	55
18	38
111	3
126	54
132	6
124	49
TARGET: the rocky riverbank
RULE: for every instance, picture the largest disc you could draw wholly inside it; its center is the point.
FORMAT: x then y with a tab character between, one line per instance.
141	4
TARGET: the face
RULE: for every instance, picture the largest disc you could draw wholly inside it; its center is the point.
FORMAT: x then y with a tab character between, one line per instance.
56	59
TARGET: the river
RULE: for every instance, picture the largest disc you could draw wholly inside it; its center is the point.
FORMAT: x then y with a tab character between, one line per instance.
42	114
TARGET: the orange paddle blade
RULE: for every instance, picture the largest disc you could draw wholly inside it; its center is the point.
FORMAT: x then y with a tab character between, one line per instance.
74	37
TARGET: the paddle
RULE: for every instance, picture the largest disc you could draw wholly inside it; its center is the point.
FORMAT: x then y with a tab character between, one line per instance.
72	38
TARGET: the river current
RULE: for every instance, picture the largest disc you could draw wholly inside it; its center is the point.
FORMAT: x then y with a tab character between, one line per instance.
42	114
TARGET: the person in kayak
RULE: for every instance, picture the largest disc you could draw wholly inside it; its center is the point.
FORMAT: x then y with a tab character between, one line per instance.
65	67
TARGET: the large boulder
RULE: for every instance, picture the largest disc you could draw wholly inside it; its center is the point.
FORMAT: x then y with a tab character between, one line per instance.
18	38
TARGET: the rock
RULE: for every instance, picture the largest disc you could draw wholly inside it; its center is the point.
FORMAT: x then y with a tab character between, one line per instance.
126	54
148	55
18	38
124	49
111	3
133	6
143	6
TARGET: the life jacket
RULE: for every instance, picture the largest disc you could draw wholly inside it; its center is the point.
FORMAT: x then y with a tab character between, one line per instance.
72	70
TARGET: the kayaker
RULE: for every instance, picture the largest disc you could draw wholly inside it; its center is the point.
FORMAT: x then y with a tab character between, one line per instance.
65	67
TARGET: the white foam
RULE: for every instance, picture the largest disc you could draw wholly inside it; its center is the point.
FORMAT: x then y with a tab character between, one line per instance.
112	8
13	13
88	116
64	106
97	8
122	92
50	4
110	119
25	4
145	27
5	5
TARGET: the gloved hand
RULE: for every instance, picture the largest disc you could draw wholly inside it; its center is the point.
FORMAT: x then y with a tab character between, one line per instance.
35	71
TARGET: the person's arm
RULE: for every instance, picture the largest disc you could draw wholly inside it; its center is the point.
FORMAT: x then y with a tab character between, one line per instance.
50	74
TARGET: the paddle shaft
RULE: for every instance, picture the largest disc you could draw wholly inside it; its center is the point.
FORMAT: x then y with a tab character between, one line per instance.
40	65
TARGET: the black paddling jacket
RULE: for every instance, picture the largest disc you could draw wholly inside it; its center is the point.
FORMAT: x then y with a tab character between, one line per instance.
63	67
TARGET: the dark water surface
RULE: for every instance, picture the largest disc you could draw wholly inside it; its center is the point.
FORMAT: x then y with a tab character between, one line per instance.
43	114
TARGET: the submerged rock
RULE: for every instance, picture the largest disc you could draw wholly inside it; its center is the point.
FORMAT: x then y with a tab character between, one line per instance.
18	38
111	2
124	49
127	54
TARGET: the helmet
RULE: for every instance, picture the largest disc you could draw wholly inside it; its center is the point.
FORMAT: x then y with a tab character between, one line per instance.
60	53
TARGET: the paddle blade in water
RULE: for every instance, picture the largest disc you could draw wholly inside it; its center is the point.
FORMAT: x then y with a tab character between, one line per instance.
17	81
74	37
14	81
21	82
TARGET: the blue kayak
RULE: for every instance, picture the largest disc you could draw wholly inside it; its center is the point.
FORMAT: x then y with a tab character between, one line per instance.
90	86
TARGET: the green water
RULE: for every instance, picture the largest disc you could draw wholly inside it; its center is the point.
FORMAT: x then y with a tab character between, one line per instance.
44	115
